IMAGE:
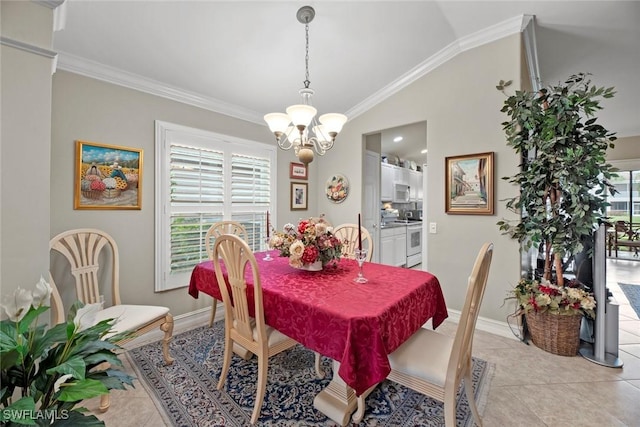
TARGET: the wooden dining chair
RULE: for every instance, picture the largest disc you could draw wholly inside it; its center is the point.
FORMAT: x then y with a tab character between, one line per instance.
348	235
250	332
433	363
83	249
216	230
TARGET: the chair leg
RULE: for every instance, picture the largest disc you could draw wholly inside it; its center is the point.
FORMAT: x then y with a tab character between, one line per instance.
450	407
167	328
468	388
228	346
263	365
213	312
319	371
105	402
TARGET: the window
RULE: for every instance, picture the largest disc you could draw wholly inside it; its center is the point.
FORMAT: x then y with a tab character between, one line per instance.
203	178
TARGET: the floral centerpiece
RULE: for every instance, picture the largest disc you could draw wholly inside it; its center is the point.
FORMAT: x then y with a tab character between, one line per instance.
307	243
46	372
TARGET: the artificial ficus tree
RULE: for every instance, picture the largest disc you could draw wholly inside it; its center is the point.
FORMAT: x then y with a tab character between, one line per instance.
564	176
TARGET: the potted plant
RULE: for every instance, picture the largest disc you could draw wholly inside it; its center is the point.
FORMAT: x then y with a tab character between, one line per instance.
564	177
47	372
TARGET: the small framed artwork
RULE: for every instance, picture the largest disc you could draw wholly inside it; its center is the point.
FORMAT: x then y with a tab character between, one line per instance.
299	196
297	171
469	184
107	177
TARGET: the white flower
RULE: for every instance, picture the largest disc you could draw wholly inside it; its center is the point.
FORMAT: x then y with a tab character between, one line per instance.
290	228
110	183
17	306
296	249
86	316
42	293
295	262
276	241
588	303
60	381
321	228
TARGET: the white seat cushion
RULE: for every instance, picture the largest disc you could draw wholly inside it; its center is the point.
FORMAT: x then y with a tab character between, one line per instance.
425	355
130	317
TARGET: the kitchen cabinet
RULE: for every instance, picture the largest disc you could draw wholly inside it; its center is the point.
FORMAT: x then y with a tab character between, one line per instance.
386	182
393	246
415	181
401	176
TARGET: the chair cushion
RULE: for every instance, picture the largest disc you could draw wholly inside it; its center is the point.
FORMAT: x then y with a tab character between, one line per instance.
131	317
425	355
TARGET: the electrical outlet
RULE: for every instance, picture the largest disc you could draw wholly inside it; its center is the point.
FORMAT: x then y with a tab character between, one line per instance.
433	228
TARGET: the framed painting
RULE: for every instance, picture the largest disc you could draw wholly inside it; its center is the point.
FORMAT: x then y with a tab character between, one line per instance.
297	171
299	196
107	177
469	184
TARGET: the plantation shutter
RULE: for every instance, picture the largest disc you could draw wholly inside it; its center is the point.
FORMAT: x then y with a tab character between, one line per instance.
207	178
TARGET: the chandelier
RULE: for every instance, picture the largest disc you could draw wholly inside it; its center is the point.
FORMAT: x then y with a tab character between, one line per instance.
298	128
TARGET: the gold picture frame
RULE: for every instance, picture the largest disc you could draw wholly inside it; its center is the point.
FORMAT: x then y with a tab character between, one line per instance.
107	177
469	184
299	196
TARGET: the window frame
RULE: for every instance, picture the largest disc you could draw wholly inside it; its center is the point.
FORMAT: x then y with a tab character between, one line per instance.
165	134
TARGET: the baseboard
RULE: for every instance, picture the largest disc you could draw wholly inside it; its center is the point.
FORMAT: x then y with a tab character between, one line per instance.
181	323
501	329
194	319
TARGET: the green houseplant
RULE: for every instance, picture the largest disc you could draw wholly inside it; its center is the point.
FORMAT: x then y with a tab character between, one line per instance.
47	372
564	176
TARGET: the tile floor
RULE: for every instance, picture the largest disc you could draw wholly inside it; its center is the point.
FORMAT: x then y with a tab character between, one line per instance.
530	387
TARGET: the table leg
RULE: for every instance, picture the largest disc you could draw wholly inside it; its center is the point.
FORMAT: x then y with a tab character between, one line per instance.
338	401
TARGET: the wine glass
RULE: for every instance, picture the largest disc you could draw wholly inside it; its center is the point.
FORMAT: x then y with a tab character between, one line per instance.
361	255
267	257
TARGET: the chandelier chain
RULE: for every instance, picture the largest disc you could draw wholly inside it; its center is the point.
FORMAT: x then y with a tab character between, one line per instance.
306	57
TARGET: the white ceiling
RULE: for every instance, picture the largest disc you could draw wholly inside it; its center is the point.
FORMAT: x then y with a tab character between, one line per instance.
247	58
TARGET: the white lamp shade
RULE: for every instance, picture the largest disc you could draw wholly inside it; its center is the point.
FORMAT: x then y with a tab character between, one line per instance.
333	122
301	114
321	133
277	122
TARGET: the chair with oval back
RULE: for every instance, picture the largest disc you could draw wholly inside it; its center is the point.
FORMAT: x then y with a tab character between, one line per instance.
83	249
434	364
216	230
251	332
348	235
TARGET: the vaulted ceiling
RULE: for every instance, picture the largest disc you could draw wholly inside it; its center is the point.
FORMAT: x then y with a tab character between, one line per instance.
247	58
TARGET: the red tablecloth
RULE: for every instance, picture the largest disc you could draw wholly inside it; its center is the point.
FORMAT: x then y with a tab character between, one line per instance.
326	311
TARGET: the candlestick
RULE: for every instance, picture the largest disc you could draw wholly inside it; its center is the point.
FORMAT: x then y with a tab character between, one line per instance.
267	223
359	235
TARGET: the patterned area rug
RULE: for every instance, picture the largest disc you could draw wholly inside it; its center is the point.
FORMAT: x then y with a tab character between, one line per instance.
186	391
632	292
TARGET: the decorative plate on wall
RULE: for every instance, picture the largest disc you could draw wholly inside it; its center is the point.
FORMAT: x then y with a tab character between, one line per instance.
337	188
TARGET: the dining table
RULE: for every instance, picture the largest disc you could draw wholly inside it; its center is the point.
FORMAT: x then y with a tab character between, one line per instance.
357	325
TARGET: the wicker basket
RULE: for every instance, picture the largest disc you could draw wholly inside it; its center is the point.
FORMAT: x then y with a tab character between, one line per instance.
554	333
110	193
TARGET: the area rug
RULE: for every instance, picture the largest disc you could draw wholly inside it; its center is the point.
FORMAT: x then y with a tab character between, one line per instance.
186	394
632	292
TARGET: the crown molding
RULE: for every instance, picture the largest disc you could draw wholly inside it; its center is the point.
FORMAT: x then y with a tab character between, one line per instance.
105	73
485	36
51	4
82	66
36	50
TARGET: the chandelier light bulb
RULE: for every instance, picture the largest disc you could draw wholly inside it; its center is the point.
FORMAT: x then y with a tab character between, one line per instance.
301	115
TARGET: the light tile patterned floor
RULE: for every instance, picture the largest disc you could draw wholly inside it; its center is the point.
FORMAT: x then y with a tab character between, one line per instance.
530	387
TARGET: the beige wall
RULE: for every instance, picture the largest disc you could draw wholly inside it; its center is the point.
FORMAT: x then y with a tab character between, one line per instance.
91	110
462	109
626	154
25	146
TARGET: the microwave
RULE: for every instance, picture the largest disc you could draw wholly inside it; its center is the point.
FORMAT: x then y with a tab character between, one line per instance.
401	193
